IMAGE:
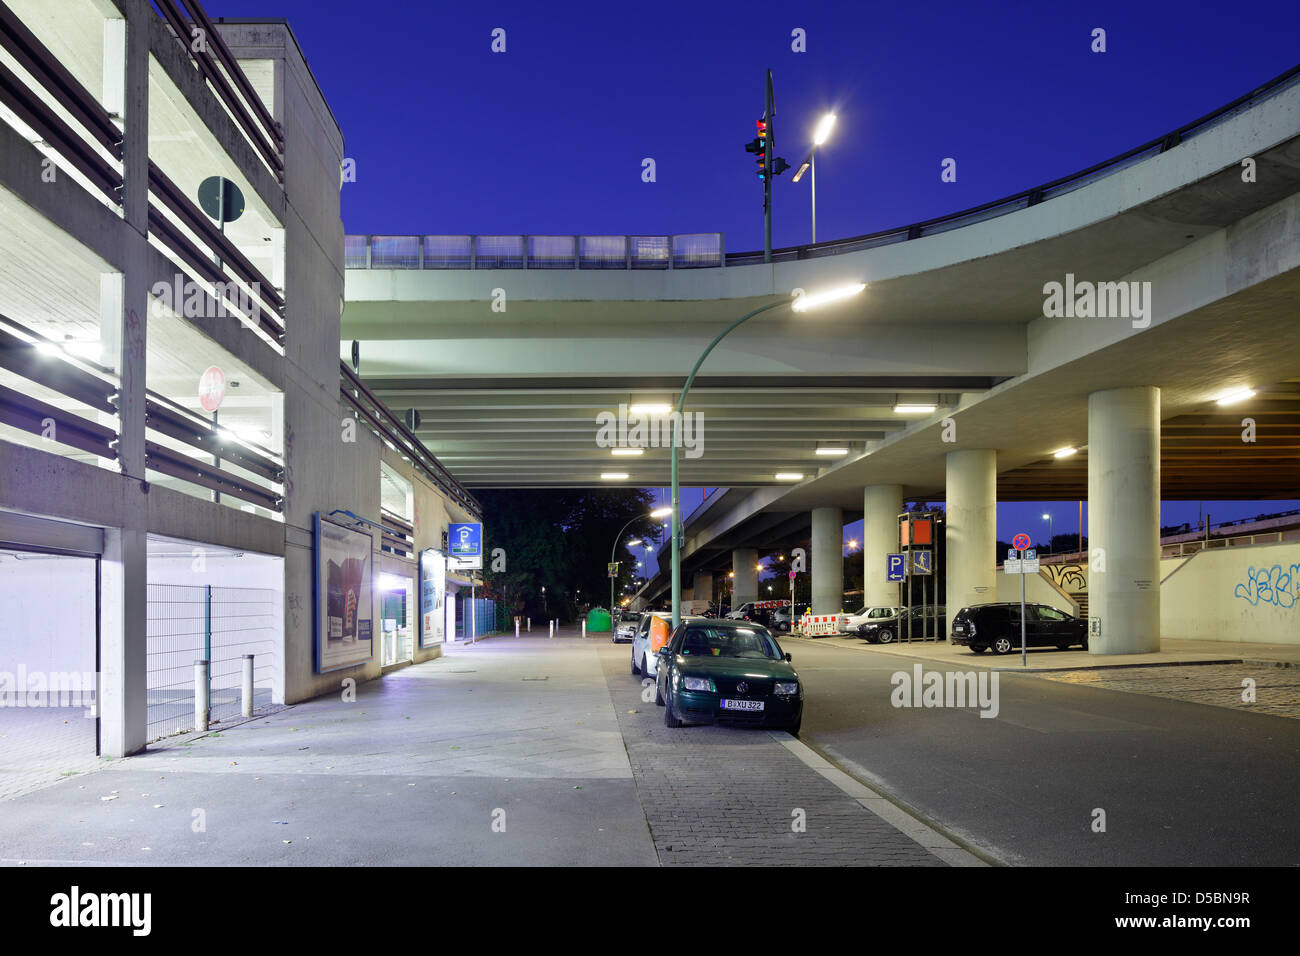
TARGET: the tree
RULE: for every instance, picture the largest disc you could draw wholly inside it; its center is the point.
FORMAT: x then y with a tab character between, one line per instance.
560	539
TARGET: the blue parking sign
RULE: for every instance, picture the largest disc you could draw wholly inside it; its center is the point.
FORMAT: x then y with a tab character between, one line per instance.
894	567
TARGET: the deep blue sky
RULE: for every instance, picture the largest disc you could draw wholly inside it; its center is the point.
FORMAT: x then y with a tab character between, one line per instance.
549	137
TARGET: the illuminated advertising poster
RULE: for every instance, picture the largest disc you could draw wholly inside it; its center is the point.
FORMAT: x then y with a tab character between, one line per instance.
344	608
433	596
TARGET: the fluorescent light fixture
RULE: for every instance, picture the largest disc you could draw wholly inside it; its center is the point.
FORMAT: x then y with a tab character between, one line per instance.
650	408
662	512
1065	452
910	408
832	450
802	169
634	542
789	476
824	129
816	299
627	451
613	475
1234	395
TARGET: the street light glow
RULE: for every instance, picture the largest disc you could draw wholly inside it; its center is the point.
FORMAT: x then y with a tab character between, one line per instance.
803	168
663	512
817	299
824	129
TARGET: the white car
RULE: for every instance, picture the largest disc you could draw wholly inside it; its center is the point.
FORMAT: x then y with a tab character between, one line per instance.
871	615
625	628
645	649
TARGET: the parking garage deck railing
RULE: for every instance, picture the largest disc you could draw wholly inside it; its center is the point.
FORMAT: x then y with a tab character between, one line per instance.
188	21
707	250
391	430
82	148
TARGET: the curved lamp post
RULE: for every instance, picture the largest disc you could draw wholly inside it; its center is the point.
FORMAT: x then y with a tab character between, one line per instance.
657	513
802	304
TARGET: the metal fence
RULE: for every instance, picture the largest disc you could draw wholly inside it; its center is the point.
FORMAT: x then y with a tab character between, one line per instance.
688	251
220	624
485	617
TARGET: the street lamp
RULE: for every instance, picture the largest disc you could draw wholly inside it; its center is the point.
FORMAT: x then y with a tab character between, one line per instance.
801	304
657	513
822	133
1048	519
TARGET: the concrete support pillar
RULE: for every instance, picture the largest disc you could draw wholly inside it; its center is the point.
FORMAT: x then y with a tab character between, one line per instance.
827	560
702	585
1124	520
972	530
881	505
123	644
744	586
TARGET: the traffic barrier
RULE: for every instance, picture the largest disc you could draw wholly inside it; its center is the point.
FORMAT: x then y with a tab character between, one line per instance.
820	625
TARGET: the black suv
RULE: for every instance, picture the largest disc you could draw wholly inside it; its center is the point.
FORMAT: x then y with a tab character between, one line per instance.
982	626
919	618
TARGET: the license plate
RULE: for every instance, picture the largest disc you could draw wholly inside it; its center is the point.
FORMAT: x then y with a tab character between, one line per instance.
741	704
957	628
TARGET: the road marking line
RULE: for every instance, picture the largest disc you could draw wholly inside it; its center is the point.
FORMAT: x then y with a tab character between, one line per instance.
869	799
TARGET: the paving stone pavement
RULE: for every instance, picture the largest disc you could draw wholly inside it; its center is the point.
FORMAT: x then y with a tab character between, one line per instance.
1277	689
721	796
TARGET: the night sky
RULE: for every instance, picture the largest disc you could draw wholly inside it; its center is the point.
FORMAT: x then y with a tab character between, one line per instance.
549	136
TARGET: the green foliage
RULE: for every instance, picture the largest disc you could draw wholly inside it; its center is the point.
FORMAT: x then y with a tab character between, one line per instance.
560	539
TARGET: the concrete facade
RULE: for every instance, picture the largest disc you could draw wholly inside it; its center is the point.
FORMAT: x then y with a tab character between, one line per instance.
744	569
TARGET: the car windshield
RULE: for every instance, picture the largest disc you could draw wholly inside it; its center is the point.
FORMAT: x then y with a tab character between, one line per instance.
733	642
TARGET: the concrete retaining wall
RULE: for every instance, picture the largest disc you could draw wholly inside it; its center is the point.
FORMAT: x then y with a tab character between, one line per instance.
1247	594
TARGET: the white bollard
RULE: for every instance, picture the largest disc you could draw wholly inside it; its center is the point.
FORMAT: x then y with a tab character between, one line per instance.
202	705
516	627
550	629
530	625
584	627
246	707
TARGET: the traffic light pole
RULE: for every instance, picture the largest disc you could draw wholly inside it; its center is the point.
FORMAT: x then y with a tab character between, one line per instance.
768	112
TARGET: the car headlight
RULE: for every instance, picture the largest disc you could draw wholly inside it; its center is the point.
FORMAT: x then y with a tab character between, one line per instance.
700	683
786	689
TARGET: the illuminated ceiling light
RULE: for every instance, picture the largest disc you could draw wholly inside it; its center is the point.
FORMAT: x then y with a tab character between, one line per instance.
907	408
613	476
1065	452
836	450
650	408
789	476
816	299
1234	395
627	451
48	348
662	512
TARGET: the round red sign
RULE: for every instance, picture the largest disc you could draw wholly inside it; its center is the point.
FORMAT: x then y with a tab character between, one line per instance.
1021	541
212	388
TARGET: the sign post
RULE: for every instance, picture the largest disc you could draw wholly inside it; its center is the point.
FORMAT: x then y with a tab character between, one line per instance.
1022	542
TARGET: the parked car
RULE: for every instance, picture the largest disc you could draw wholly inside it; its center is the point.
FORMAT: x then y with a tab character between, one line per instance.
982	626
731	671
625	626
871	615
919	619
742	613
780	619
650	637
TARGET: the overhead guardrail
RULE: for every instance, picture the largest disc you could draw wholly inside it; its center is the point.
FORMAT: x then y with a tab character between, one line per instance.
390	429
460	252
216	63
686	251
63	87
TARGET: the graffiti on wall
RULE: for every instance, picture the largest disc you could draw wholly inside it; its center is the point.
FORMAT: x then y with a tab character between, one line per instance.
1071	578
1278	585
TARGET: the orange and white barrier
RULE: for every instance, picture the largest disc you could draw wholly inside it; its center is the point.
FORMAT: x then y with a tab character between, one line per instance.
815	625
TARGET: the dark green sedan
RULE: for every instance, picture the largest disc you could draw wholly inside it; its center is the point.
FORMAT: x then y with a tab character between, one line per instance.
732	671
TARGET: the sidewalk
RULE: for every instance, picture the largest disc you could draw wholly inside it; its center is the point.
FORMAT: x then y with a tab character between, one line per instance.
525	752
1173	651
416	771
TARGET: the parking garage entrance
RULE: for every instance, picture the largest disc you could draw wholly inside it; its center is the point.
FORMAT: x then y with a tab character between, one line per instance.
49	641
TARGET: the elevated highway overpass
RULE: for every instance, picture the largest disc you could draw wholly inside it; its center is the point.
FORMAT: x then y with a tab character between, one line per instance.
1202	225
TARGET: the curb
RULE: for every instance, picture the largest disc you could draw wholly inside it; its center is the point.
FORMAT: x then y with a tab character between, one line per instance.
906	821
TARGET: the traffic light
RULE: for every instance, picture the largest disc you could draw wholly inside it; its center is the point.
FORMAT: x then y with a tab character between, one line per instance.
758	146
779	166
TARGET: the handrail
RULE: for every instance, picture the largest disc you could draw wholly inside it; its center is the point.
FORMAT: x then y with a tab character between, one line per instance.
178	427
30	414
19	356
208	67
161	458
31	110
190	254
37	60
387	425
237	73
198	222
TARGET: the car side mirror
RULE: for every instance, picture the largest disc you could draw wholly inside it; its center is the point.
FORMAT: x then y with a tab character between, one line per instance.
788	656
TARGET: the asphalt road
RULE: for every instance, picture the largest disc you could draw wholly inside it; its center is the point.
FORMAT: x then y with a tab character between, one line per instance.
1180	784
